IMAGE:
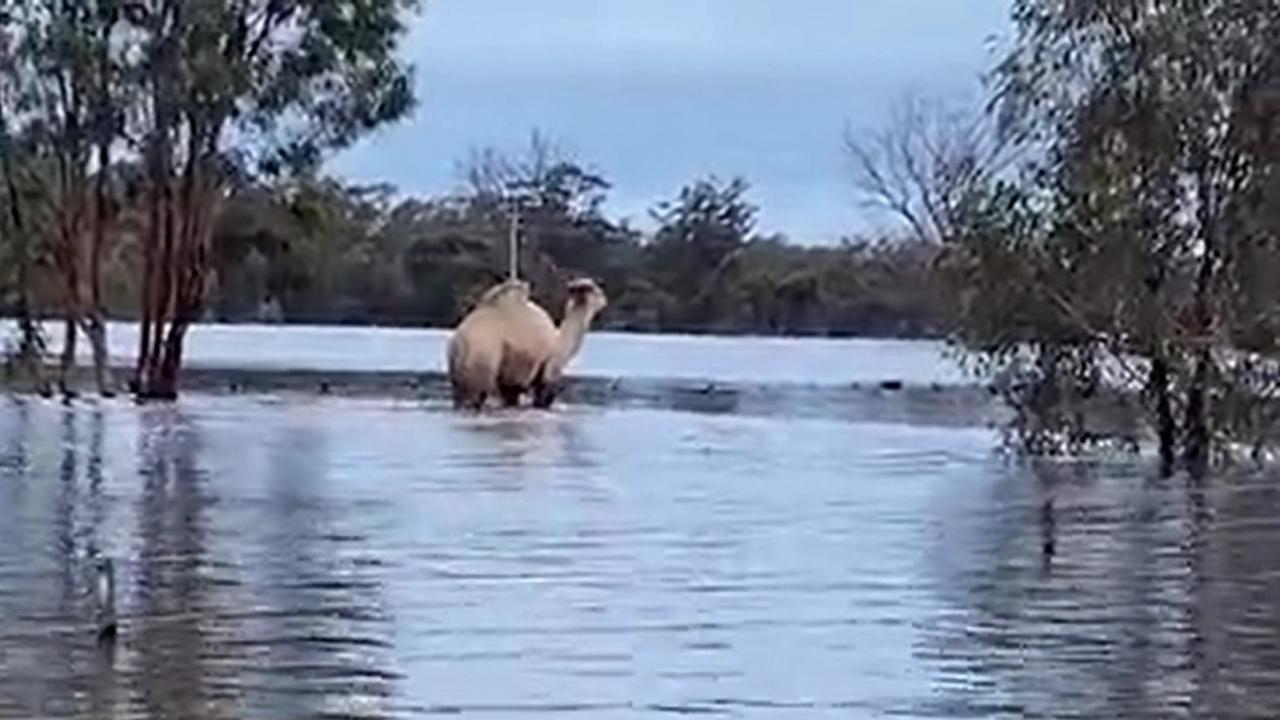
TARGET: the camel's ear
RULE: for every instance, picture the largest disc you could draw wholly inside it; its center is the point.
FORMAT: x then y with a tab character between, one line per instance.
582	287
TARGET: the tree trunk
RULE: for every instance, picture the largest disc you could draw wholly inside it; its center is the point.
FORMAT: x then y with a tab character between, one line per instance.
1196	422
1166	428
162	293
171	362
154	267
178	272
95	329
149	271
162	378
95	315
69	260
95	325
67	364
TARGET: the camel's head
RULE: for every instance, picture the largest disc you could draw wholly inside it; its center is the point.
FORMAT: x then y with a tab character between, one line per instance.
586	296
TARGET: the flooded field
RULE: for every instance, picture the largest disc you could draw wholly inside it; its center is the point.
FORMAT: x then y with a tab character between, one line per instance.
296	558
772	540
725	359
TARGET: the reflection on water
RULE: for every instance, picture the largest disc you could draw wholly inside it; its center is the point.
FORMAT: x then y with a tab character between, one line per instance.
331	558
1158	598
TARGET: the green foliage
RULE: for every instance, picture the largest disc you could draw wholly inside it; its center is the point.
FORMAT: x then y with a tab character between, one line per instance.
1133	243
327	252
317	250
206	97
699	234
305	249
286	81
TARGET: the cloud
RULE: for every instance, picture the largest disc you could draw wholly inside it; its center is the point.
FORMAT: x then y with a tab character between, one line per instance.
657	92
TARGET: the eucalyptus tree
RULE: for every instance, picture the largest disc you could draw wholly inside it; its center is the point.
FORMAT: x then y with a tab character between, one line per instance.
227	88
1160	124
62	67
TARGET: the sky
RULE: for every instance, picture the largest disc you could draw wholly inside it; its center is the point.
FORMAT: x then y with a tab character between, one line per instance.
657	93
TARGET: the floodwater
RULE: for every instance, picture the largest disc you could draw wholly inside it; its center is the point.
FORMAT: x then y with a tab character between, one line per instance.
296	557
729	359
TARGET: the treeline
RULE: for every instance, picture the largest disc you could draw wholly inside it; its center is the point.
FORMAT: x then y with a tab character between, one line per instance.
320	251
316	250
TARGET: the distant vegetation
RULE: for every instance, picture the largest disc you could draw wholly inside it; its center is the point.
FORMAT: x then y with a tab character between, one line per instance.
313	249
321	251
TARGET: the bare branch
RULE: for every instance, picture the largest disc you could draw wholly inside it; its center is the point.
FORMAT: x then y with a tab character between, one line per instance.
921	165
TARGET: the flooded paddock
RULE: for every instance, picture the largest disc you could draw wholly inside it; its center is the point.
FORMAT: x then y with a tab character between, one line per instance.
365	349
731	526
297	557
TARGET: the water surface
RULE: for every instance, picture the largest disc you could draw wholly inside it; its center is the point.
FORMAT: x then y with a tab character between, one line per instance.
728	359
339	558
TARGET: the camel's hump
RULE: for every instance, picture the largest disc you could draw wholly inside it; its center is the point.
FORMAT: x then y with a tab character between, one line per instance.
504	290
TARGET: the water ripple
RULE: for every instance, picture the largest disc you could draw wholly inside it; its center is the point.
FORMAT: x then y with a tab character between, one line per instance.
353	559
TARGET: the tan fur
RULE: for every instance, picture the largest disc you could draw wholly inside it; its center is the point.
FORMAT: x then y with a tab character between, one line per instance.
586	300
501	343
504	290
506	344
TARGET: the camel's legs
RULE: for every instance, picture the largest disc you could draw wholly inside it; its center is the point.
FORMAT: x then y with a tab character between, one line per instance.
544	393
510	395
464	400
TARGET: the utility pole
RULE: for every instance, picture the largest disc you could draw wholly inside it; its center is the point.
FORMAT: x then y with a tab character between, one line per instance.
517	192
513	240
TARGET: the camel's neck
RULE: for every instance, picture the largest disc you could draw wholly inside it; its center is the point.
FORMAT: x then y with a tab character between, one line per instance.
573	328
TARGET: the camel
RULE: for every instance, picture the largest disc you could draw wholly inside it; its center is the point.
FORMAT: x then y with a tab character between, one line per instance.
508	346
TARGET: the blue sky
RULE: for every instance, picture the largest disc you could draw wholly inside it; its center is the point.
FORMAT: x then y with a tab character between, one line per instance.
655	93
